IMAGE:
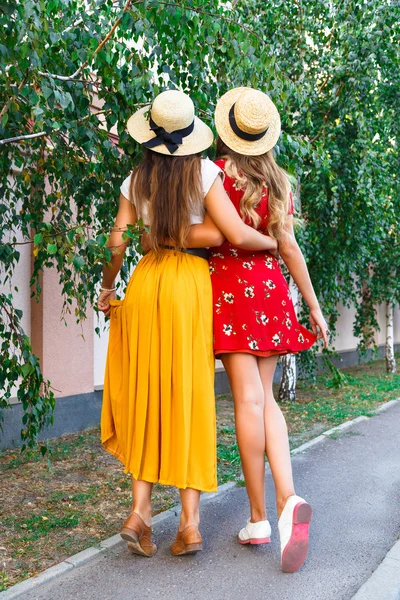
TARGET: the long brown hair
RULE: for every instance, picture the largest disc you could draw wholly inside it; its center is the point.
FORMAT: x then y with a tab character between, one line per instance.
253	174
170	188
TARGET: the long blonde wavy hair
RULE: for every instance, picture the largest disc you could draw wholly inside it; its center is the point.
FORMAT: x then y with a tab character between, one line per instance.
253	174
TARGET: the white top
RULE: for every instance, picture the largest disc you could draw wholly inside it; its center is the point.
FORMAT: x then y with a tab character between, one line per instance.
209	173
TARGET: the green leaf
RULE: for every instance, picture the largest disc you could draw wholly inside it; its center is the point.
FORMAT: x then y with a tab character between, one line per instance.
78	262
46	91
26	369
101	240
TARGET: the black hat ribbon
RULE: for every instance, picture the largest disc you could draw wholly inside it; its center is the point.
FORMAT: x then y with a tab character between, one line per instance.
171	140
249	137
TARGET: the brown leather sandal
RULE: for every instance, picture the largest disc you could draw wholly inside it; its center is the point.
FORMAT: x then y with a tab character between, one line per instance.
188	541
138	535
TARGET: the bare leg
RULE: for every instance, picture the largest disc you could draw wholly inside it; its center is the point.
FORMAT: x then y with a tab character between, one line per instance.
190	515
188	539
276	436
141	504
248	396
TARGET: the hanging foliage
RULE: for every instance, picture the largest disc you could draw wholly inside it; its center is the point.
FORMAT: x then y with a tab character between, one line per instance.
71	73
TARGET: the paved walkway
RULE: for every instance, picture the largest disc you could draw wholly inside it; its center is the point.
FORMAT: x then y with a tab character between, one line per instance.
352	483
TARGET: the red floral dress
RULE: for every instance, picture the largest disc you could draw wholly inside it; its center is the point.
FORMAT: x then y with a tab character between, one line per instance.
253	309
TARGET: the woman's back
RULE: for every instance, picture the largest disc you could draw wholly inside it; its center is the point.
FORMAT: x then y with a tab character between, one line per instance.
207	174
235	193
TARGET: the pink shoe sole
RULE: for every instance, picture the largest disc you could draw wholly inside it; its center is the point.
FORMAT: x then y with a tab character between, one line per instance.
295	552
255	541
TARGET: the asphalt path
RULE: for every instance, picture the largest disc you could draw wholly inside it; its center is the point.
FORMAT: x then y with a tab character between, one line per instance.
353	484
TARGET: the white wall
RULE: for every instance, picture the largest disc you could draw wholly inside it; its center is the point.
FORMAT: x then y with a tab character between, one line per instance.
345	340
22	299
100	350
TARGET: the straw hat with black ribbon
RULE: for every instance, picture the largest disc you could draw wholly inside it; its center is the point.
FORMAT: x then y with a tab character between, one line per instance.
169	126
247	121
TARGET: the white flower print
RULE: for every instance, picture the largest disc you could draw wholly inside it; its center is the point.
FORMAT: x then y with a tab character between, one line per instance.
253	345
275	319
227	329
212	269
283	303
228	298
249	292
224	268
264	319
233	252
301	338
269	262
288	323
244	326
270	284
247	265
276	339
218	254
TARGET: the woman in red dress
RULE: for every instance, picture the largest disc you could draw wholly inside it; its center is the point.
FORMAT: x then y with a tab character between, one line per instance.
254	317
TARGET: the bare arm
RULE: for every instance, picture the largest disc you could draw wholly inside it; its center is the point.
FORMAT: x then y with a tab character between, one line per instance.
205	234
227	220
294	260
126	216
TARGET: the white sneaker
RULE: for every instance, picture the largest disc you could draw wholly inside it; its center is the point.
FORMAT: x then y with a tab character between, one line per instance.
255	533
293	530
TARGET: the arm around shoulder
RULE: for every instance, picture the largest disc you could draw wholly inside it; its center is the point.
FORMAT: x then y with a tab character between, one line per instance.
288	246
227	220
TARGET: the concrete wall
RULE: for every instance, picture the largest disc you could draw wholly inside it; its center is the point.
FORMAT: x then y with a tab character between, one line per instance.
73	356
67	348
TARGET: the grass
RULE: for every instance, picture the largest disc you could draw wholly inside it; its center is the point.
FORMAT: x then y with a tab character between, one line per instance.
47	514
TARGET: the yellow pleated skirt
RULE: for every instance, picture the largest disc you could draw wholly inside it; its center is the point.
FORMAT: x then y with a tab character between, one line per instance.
158	414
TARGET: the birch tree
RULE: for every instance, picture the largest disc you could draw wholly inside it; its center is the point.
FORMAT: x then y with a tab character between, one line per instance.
60	167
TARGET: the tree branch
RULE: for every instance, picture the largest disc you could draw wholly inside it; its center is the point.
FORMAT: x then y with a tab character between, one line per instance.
52	234
128	4
7	104
19	138
327	114
223	18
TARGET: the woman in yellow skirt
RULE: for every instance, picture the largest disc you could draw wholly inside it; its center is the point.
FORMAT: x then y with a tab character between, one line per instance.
158	415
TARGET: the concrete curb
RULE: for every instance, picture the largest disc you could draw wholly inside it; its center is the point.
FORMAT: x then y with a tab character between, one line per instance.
387	405
342	427
329	432
384	583
81	557
16	591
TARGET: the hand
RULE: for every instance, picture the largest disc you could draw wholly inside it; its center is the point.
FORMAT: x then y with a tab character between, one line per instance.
275	253
145	242
319	325
274	250
103	302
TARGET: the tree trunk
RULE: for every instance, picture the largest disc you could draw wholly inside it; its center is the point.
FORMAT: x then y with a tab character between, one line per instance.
287	390
389	349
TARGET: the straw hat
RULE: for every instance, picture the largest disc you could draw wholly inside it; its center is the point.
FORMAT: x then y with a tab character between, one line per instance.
168	126
247	121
